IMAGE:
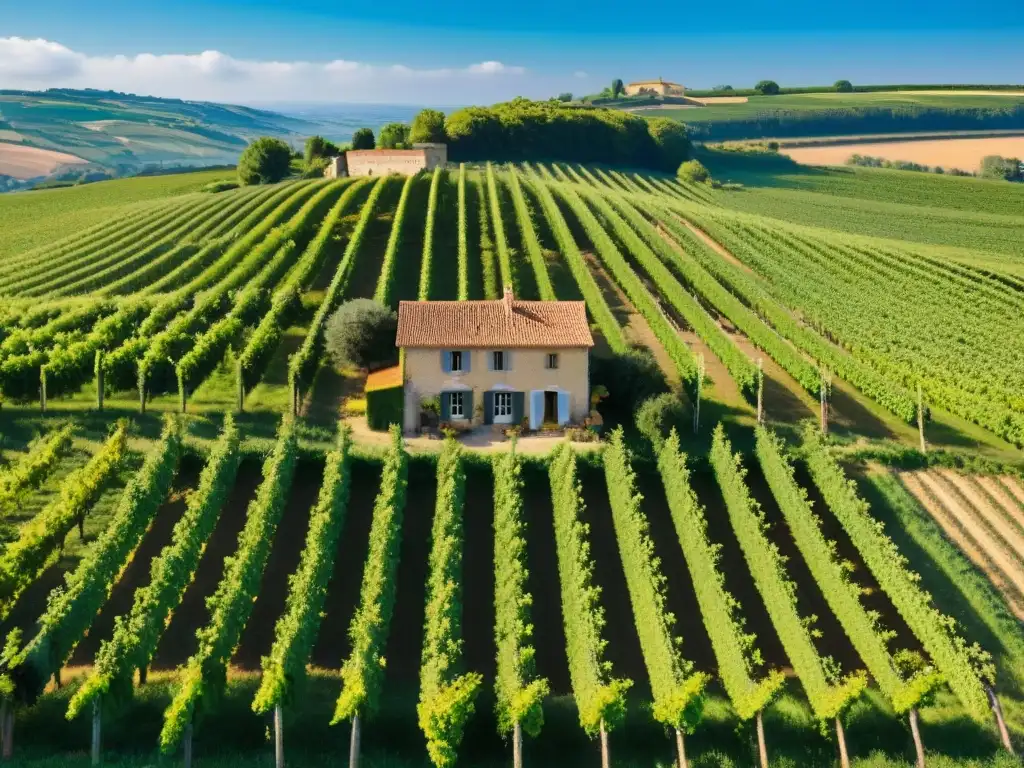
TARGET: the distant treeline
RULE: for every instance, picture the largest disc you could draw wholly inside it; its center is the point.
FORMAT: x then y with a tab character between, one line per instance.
543	130
869	161
853	121
728	91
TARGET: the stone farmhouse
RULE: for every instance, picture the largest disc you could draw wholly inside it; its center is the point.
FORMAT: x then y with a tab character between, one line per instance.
381	162
659	87
496	362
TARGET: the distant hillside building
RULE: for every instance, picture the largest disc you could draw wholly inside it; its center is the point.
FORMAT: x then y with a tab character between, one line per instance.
659	87
381	162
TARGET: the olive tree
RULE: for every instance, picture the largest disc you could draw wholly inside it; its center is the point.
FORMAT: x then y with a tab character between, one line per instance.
265	161
363	139
361	333
428	128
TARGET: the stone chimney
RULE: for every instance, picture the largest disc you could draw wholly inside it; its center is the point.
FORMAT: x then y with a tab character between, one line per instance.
508	301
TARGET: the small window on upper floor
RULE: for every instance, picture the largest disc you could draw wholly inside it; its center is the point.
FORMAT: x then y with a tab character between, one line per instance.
456	361
551	361
498	360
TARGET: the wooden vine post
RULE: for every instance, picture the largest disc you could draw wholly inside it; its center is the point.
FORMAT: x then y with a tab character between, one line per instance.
997	710
517	740
97	724
826	389
182	398
680	749
99	379
606	758
760	390
240	384
844	756
762	749
353	744
42	389
142	390
278	736
187	746
6	731
920	417
700	386
915	731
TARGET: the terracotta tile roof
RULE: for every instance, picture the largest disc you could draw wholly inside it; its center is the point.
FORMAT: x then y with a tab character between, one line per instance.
361	153
504	323
385	378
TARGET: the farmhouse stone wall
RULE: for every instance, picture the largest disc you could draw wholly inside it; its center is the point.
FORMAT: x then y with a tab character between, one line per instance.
425	378
381	162
336	168
655	86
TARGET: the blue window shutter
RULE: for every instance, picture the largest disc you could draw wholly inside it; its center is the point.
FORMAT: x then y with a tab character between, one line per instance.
563	407
467	404
490	359
446	405
508	359
518	403
446	361
488	407
536	408
466	360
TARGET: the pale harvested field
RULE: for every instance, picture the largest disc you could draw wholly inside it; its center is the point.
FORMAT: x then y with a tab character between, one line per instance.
967	93
964	154
719	99
23	162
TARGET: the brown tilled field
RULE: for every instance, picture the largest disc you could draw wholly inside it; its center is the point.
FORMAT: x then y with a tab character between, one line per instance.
22	162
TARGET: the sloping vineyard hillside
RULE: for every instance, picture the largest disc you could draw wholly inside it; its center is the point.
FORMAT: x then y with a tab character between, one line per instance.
813	553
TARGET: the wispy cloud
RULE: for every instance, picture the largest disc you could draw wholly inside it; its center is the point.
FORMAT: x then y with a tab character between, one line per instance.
218	76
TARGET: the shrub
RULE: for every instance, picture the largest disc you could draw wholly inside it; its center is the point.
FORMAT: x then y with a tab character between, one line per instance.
844	86
767	87
385	407
428	128
220	186
694	172
361	333
566	97
998	167
658	416
265	161
319	147
630	378
670	139
363	139
394	136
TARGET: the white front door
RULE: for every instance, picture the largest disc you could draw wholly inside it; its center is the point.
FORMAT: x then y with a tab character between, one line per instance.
502	407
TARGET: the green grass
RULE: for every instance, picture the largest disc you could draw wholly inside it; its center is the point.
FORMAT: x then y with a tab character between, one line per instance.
757	105
34	219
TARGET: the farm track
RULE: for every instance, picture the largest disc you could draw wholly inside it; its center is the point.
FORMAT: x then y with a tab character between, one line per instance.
969	536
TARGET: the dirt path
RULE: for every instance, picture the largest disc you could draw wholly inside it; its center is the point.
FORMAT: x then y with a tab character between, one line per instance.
966	533
636	327
713	244
1014	486
1003	526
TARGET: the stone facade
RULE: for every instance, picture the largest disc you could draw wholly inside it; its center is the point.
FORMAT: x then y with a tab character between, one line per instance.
381	162
528	388
336	168
659	86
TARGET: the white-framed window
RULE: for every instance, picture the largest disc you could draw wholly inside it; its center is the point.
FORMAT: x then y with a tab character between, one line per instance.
551	361
502	407
457	405
456	361
498	360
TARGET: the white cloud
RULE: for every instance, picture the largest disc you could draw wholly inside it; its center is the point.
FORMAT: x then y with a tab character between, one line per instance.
33	64
580	74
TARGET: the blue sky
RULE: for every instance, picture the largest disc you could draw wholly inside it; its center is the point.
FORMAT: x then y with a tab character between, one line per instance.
465	52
